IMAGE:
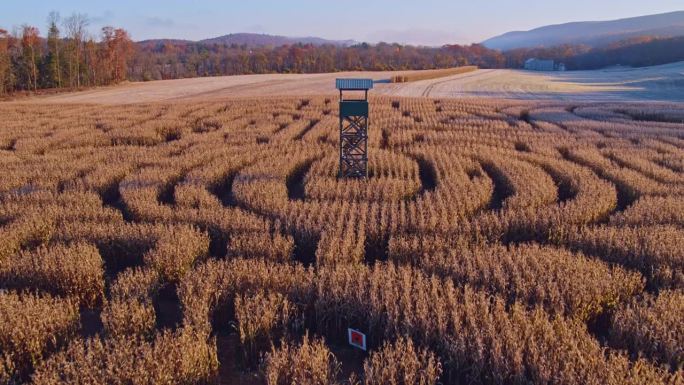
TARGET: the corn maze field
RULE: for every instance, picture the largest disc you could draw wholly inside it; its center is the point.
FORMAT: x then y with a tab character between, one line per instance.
494	242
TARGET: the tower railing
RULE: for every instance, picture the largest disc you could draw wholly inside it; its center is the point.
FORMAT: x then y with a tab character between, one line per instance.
354	122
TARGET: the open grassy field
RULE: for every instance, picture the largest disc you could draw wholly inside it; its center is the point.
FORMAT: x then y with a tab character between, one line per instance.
413	76
200	242
661	83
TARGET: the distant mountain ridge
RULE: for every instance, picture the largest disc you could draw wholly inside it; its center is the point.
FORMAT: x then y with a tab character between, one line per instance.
592	33
257	40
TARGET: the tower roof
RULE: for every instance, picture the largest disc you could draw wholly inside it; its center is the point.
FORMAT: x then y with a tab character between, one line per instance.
354	84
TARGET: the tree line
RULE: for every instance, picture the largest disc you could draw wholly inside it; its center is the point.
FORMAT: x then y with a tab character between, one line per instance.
165	59
639	51
68	57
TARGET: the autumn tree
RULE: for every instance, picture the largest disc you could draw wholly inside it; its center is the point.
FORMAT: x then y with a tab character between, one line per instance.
107	51
75	26
92	71
5	62
117	49
54	67
30	44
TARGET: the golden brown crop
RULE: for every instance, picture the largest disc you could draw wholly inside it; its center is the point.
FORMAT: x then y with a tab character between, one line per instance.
6	369
495	237
130	311
74	271
215	284
175	252
652	210
309	363
653	326
656	251
171	358
262	319
401	363
431	74
28	230
274	247
529	274
32	327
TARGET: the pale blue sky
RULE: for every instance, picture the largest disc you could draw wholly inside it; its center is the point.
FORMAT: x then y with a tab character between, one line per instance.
429	22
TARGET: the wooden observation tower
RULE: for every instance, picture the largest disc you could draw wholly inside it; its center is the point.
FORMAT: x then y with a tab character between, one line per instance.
354	128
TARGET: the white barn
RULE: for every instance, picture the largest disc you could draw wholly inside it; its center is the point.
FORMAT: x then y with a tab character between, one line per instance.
535	64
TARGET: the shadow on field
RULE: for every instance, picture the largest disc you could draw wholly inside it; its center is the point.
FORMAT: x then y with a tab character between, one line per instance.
295	180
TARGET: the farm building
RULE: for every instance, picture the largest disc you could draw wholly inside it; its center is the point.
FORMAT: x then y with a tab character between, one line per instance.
535	64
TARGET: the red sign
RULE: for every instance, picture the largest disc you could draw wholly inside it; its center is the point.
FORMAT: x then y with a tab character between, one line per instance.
357	339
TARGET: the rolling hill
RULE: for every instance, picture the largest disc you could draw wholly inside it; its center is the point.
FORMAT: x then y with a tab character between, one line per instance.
255	40
592	33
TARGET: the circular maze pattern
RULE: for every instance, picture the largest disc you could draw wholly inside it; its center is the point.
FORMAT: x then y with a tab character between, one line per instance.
216	235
